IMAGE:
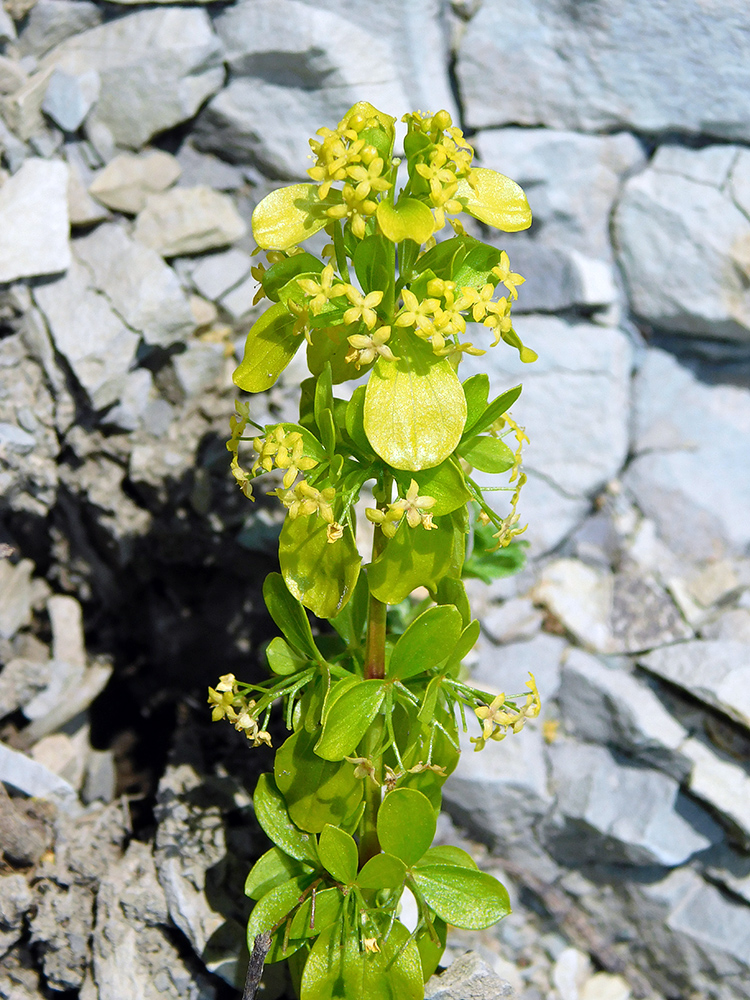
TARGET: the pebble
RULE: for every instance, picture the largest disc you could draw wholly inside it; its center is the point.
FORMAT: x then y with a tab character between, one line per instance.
35	229
129	178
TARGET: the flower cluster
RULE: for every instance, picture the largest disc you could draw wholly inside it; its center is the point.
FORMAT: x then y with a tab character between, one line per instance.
284	450
228	703
415	508
499	717
444	159
305	500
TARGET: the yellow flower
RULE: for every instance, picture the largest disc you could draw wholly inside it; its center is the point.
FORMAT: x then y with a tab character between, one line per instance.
363	307
417	314
223	704
321	291
416	508
334	532
509	278
304	500
365	348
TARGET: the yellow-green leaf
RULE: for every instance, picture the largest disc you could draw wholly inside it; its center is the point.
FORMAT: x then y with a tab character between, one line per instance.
495	200
269	348
409	220
287	216
319	573
415	408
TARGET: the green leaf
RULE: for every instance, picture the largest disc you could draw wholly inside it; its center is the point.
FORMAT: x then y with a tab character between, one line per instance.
374	265
384	871
425	642
475	269
415	408
463	647
488	454
287	216
355	420
427	709
431	952
496	409
316	791
444	258
282	272
319	573
289	616
349	718
413	558
350	623
273	817
339	970
338	854
327	911
477	391
406	824
282	659
451	591
486	565
461	896
269	348
271	870
275	905
447	854
323	394
329	345
495	200
445	483
408	220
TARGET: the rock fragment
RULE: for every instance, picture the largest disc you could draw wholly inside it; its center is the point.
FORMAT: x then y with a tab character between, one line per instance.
187	221
16	900
468	977
68	98
35	228
16	596
720	784
50	22
128	179
216	275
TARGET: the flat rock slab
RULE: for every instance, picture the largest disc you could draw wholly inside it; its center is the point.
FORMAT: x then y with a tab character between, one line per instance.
156	69
609	65
187	221
468	978
721	784
128	179
34	225
681	217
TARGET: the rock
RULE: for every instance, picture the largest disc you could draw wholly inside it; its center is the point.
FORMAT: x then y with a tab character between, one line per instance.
713	671
730	868
607	812
52	21
580	597
128	179
199	367
572	182
204	313
35	779
136	398
97	345
16	439
724	786
508	669
100	779
7	28
66	620
603	68
216	275
22	110
684	432
187	221
281	91
16	900
69	693
82	209
61	928
143	290
571	970
15	596
207	170
468	978
603	986
240	300
133	952
68	99
514	620
609	706
732	626
18	9
64	755
12	75
20	680
148	83
199	873
673	222
34	210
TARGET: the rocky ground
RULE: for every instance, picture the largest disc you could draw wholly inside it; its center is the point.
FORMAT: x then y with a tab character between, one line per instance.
135	142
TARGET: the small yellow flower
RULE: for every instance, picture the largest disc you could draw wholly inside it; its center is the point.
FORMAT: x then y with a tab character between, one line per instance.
321	291
417	314
416	508
334	532
364	768
363	307
365	348
223	704
509	278
371	944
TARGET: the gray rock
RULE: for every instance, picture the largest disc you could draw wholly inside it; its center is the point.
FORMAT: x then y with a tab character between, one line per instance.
82	209
13	438
571	180
609	706
711	670
16	900
97	345
7	28
12	75
128	179
316	67
197	869
69	693
560	278
732	626
66	619
722	785
607	812
686	432
187	221
199	367
508	669
639	66
22	110
100	779
148	83
240	300
672	223
50	22
516	619
68	99
730	868
20	680
34	210
16	595
551	515
205	169
468	978
216	275
143	290
133	952
61	929
34	779
136	398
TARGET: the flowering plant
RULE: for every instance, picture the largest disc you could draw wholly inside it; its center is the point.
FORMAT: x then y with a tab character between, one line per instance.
352	803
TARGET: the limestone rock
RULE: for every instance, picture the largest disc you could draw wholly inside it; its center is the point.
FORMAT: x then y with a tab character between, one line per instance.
607	66
675	220
516	619
127	180
96	343
33	778
240	300
15	902
143	290
571	970
68	98
722	785
199	367
508	668
468	978
7	28
50	22
571	180
61	928
608	812
609	706
318	64
34	214
82	209
188	220
216	275
685	432
206	169
148	83
712	670
20	680
22	110
12	75
16	595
